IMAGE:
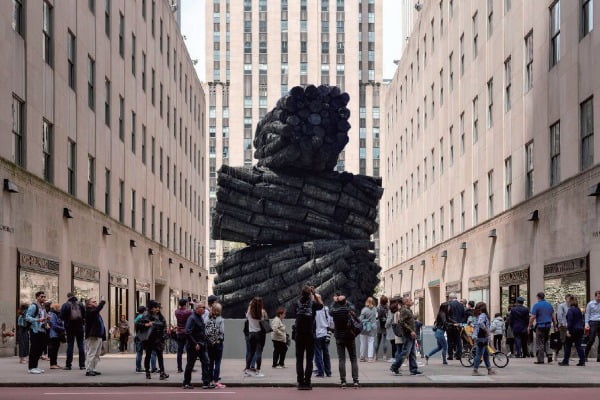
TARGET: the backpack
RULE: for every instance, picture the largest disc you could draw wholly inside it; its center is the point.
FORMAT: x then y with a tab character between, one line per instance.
213	336
75	313
382	316
27	324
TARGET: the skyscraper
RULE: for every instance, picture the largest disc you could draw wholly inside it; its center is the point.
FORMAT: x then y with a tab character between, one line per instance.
256	50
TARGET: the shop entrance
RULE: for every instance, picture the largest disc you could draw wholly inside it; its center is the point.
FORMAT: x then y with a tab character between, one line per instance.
118	298
142	293
512	285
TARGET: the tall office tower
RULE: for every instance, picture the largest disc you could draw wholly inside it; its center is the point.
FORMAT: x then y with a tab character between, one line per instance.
490	165
102	148
256	50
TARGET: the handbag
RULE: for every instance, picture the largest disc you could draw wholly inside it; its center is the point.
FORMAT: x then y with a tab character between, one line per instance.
354	324
265	326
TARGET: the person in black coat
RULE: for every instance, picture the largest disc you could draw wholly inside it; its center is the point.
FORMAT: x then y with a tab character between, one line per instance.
73	329
151	329
95	334
196	348
456	316
519	321
340	312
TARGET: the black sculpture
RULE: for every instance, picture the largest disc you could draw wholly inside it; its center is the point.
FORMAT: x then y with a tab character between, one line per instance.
303	222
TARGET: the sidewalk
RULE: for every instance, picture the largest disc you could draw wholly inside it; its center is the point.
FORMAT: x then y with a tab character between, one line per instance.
117	370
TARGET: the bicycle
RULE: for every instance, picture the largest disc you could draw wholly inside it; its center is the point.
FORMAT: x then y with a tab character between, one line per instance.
499	359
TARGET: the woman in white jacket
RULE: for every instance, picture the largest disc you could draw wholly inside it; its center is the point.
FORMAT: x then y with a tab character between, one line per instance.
497	330
368	317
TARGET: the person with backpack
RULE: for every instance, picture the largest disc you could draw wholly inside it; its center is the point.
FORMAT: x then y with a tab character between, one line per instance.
36	320
497	331
382	338
151	332
72	313
368	318
215	336
95	334
23	334
306	308
344	337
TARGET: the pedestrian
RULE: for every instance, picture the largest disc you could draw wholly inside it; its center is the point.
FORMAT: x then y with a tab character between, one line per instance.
37	319
510	336
389	331
368	319
23	334
151	332
95	333
419	331
344	338
481	337
456	317
382	338
56	335
497	331
123	328
561	320
519	320
439	329
469	309
543	315
324	328
256	336
592	324
306	309
181	315
215	336
72	312
574	333
279	338
196	347
139	348
406	320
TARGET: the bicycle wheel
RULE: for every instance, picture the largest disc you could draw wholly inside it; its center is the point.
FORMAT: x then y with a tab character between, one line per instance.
500	359
466	358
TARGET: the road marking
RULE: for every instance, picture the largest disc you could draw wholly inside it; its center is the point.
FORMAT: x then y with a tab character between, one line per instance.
212	392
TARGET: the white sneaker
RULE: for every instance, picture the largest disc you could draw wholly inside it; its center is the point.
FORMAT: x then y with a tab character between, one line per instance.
248	372
35	371
259	374
391	360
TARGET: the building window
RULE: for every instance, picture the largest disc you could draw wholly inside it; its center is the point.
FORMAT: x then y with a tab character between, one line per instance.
462	211
451	147
133	141
71	167
462	54
121	118
587	133
507	4
107	18
528	61
107	192
143	144
508	182
121	201
71	60
18	17
451	218
143	71
490	105
491	193
555	154
153	155
475	203
143	216
133	54
121	34
441	224
132	209
587	17
91	180
490	18
47	144
462	133
92	6
475	35
91	82
18	130
475	119
47	33
107	102
507	84
555	33
529	170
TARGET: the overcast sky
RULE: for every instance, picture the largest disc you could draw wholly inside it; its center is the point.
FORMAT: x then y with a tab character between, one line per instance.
192	22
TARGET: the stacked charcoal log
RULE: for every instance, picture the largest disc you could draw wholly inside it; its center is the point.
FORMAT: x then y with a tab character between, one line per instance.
307	129
303	222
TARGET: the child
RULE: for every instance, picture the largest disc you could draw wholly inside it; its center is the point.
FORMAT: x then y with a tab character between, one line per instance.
497	329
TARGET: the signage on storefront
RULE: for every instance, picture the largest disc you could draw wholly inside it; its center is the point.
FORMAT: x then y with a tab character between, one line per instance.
565	268
479	282
142	286
32	261
6	228
517	277
455	287
85	273
434	283
118	280
420	294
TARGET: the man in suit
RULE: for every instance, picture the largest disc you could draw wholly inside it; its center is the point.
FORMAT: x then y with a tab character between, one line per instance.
457	316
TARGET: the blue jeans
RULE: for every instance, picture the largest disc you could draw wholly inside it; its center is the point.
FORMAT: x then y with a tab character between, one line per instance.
482	351
71	338
139	352
406	350
181	342
253	362
322	359
215	354
442	344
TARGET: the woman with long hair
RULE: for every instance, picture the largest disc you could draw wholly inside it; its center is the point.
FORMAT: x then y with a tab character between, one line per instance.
575	331
439	327
368	317
392	309
256	337
481	337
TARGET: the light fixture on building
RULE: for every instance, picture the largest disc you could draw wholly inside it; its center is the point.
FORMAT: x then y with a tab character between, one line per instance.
534	216
10	186
444	253
132	243
492	233
411	268
463	246
423	263
180	266
151	251
195	61
67	213
191	270
594	190
396	62
418	6
106	231
199	274
170	260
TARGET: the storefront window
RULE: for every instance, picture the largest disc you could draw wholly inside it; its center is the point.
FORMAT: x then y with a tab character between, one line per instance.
117	304
557	288
509	296
478	295
31	282
86	290
141	298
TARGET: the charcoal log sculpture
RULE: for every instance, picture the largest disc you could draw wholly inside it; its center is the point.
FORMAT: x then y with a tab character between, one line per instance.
303	222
